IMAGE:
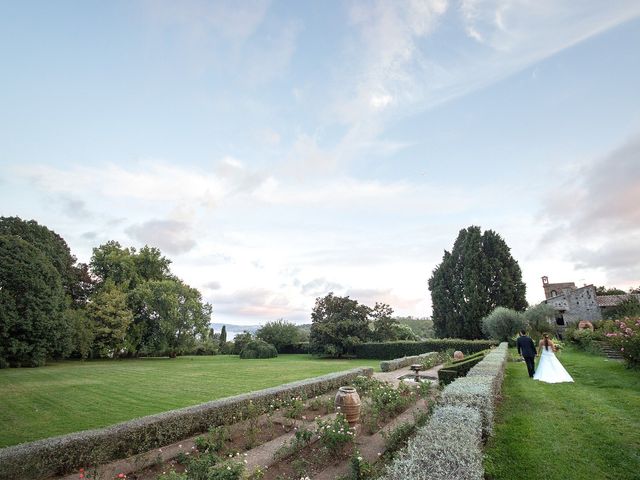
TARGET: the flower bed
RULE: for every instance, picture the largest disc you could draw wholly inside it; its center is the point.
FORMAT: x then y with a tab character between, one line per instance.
314	443
60	455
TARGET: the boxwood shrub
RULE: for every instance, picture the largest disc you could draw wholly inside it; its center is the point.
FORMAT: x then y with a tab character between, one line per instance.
67	453
390	350
459	368
257	348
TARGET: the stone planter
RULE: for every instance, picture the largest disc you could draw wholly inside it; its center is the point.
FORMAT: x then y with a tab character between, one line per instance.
348	400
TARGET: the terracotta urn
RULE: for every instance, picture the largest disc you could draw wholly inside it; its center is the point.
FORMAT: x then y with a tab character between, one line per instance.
585	325
458	355
348	400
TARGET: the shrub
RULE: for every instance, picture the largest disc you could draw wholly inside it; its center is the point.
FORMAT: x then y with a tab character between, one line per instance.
395	364
584	339
390	350
64	454
447	448
258	349
458	368
537	319
626	337
502	324
335	434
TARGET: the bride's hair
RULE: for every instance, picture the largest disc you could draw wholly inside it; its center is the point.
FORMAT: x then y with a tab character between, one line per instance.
546	341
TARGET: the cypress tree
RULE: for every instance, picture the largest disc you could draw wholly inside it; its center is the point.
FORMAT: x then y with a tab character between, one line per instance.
476	277
223	335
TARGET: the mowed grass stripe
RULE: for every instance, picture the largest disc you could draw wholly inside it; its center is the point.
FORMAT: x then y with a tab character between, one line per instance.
587	429
71	396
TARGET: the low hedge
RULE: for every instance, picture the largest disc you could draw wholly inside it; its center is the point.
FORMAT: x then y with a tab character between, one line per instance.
390	350
395	364
301	347
459	368
480	354
449	447
68	453
480	389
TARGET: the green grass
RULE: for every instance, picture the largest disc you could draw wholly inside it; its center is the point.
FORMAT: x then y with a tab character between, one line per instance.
589	429
69	396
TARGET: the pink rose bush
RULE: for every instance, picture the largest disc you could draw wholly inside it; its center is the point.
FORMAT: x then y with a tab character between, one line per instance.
626	336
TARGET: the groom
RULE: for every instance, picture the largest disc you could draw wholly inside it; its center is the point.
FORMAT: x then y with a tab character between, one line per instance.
527	349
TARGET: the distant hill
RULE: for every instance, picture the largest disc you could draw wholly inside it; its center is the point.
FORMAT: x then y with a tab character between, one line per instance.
233	330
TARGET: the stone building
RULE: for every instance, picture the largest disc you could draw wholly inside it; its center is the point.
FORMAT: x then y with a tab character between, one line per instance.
573	304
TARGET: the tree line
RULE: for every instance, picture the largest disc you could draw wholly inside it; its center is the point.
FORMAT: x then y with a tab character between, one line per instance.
125	302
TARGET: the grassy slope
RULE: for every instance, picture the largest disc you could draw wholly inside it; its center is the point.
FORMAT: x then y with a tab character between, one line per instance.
589	429
70	396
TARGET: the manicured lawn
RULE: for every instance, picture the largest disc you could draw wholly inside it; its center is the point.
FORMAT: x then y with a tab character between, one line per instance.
589	429
72	395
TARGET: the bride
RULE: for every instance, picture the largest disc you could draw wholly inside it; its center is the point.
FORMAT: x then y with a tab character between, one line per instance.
550	370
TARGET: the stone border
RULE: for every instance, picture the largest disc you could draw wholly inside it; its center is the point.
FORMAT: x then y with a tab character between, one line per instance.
67	453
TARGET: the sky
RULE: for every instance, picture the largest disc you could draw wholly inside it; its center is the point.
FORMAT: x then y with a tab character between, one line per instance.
277	151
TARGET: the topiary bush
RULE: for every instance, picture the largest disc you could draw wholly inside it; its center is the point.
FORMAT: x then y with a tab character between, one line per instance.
257	348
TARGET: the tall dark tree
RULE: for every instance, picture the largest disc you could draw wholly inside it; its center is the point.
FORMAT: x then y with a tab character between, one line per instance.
32	301
223	335
54	248
478	275
337	325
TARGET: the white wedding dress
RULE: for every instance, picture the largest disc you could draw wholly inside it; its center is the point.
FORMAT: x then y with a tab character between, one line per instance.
550	370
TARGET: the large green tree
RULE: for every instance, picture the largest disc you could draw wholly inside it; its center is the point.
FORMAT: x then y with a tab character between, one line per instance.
337	325
280	334
32	300
74	277
478	275
174	314
111	317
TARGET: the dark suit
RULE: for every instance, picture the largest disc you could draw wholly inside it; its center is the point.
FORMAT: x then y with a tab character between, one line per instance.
527	349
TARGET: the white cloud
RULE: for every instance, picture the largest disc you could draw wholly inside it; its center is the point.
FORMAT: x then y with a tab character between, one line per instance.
171	236
593	215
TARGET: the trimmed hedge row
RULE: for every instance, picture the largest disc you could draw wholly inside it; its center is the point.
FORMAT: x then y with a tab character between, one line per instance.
67	453
301	347
395	364
391	350
459	368
449	446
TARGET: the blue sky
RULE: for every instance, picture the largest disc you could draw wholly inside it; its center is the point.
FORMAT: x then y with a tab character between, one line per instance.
276	151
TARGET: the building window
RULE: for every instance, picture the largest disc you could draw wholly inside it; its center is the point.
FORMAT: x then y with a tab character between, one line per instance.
553	293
